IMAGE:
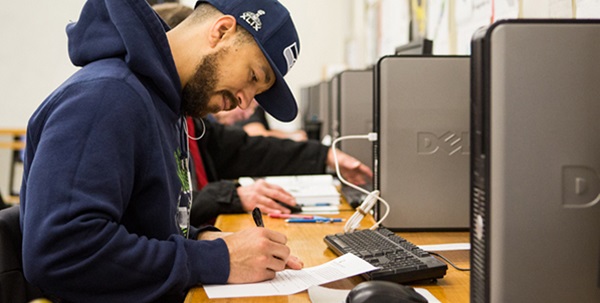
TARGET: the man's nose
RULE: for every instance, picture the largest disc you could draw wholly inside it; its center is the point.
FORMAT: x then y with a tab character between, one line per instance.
245	97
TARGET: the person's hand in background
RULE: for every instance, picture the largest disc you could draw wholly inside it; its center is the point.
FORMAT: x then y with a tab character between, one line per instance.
351	168
264	196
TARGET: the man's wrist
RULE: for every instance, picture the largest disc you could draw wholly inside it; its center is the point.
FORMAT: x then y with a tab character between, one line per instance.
212	235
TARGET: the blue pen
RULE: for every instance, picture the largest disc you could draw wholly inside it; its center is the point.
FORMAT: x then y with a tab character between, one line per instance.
315	220
317	204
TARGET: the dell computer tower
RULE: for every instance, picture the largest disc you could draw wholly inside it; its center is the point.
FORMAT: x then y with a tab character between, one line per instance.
334	113
324	108
355	106
311	113
421	117
535	162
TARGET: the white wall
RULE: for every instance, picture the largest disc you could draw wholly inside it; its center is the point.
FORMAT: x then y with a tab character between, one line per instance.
33	61
33	56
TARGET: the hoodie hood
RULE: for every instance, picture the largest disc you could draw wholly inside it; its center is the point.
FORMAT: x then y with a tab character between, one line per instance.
129	30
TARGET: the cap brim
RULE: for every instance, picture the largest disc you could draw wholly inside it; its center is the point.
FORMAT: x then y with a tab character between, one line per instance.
278	101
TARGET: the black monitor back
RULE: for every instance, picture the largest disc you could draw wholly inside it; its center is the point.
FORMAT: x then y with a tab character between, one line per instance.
420	46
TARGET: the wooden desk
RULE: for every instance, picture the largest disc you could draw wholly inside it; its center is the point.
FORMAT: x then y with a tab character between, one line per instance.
11	134
306	242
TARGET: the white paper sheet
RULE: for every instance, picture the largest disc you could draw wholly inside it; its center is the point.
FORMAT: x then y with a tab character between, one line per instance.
289	281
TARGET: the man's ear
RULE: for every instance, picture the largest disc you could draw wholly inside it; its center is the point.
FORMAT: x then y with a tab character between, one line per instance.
222	29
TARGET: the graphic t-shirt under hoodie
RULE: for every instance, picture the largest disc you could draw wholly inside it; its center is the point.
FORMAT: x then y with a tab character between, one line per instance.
100	187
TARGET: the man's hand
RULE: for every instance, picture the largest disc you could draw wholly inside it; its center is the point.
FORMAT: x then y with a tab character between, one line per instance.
256	254
351	169
263	195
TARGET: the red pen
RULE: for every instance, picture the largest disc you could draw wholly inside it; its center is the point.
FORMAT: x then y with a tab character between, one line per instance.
287	216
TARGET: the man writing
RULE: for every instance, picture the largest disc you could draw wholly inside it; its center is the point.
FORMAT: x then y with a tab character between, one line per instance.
226	152
105	195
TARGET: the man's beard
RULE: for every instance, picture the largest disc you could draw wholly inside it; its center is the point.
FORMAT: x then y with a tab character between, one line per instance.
197	92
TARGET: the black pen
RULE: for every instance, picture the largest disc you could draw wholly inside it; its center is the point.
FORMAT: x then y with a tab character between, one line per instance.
257	216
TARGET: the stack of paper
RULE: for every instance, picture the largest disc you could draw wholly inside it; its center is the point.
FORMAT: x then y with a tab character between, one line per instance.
309	190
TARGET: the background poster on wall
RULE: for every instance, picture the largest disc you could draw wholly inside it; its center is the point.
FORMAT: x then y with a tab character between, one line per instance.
438	26
469	16
505	9
560	9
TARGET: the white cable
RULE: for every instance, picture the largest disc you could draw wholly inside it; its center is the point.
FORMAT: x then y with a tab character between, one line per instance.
372	197
195	138
337	166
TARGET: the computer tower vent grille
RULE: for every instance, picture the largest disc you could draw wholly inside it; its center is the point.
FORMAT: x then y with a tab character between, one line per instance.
478	247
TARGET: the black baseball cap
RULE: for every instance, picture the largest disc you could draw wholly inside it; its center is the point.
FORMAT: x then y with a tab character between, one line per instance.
271	25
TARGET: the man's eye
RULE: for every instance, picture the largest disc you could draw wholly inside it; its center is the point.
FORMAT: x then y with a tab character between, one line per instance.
254	78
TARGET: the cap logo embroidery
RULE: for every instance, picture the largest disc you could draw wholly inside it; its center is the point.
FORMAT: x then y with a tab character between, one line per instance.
291	55
253	19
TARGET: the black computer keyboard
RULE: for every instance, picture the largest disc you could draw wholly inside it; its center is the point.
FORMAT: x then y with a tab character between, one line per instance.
399	260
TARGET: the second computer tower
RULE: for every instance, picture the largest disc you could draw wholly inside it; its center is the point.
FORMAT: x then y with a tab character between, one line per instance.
535	188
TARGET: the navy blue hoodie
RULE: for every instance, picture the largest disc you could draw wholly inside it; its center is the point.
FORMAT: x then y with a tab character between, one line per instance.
100	186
